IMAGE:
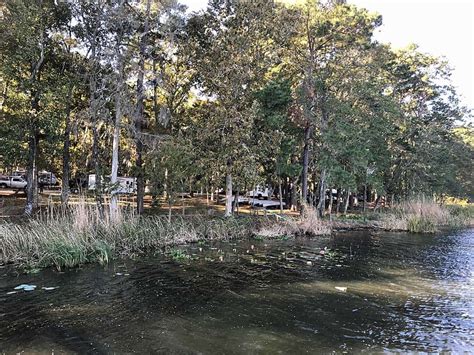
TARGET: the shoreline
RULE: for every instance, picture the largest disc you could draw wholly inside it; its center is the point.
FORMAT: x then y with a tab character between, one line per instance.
69	241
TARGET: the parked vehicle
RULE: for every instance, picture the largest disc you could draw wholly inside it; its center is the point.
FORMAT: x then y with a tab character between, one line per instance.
46	178
20	173
13	182
261	192
78	184
125	185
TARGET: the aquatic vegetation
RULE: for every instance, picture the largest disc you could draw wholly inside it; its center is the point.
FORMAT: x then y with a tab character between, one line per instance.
65	239
421	224
179	255
461	214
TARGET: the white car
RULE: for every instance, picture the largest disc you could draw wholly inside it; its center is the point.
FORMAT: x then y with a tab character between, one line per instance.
12	182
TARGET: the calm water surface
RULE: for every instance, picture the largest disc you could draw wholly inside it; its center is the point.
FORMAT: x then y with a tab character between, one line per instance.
404	293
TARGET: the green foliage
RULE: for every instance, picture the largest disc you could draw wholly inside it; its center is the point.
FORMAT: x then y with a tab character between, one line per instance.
178	255
173	164
232	90
64	254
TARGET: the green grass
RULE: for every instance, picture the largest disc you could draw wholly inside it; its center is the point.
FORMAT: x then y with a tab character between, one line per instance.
417	224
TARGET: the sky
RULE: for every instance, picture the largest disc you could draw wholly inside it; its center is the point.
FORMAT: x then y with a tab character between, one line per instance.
439	27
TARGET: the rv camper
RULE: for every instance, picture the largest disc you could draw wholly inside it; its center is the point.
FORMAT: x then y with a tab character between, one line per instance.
125	185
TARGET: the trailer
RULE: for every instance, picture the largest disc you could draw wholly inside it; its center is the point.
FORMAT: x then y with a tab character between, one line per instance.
125	185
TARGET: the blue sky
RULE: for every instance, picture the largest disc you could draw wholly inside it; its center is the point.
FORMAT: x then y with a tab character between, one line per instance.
439	27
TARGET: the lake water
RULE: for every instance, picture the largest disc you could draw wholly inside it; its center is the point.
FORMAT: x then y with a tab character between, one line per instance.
368	292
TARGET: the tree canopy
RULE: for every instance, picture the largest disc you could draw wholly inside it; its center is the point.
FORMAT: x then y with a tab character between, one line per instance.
294	95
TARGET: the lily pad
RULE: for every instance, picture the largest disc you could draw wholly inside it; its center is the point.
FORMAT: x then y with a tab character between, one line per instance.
25	287
48	288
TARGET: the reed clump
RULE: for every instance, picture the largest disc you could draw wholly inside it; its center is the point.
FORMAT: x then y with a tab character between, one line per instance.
308	223
421	216
79	235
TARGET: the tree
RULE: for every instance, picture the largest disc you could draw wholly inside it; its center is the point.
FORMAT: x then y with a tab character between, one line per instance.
28	50
234	55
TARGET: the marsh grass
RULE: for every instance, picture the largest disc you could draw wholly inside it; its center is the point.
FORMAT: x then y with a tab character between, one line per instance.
308	223
422	216
67	238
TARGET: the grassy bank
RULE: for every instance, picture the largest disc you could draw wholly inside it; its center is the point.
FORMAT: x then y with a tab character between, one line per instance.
78	236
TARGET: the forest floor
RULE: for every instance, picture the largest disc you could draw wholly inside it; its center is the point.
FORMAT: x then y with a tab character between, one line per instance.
411	216
12	204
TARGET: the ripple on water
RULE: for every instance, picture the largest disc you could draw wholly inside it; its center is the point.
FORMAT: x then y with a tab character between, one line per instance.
367	292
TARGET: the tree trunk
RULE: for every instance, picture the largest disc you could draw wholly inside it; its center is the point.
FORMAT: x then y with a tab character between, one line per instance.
280	194
182	203
165	185
322	194
338	202
228	190
97	170
377	202
236	202
32	173
346	202
330	201
169	210
293	195
115	157
118	120
139	115
351	201
66	151
93	106
32	169
365	197
304	174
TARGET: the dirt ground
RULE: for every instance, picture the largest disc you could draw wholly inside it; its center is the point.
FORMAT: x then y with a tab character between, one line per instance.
12	203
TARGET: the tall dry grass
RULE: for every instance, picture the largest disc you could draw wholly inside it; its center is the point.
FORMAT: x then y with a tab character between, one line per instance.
308	223
423	216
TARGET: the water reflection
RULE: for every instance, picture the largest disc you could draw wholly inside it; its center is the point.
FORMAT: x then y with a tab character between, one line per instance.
351	292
